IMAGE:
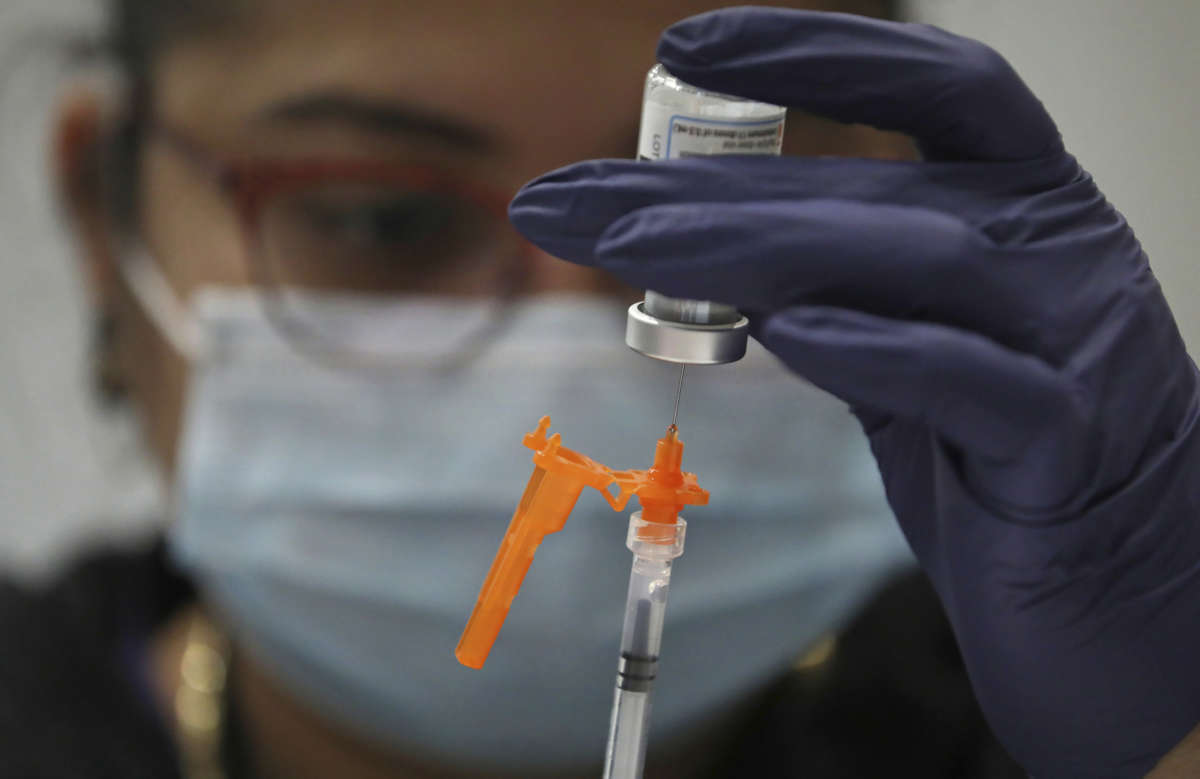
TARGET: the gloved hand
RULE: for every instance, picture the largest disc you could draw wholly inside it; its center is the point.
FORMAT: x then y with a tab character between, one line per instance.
994	324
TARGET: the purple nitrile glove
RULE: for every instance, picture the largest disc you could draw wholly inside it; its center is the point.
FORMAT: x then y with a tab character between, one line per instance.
995	325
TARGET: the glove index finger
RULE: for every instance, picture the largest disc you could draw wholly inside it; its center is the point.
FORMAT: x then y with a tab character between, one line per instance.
958	97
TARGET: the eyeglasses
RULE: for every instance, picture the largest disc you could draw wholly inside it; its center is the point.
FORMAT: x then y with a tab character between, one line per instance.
321	229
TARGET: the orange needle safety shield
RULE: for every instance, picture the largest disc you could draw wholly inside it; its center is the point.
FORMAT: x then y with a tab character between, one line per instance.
558	478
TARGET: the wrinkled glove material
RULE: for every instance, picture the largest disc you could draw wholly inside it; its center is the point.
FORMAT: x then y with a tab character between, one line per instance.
994	324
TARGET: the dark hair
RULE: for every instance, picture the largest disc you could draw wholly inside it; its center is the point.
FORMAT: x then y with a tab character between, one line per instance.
137	32
139	29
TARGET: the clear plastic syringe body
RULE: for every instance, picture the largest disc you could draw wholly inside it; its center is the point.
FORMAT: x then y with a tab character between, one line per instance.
680	120
654	545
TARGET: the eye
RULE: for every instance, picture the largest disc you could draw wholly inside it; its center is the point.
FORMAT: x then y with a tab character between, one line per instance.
381	238
392	222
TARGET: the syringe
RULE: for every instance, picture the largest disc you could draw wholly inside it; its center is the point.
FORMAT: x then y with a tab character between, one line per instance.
656	538
678	120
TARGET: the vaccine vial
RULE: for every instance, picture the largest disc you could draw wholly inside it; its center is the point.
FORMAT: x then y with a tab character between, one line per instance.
679	120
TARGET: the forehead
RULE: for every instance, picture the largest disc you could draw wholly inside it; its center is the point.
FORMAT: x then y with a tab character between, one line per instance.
530	70
551	80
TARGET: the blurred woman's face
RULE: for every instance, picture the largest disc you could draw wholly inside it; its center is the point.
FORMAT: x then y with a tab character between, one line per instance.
492	93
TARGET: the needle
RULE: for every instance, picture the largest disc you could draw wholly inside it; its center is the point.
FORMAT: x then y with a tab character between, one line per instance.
678	395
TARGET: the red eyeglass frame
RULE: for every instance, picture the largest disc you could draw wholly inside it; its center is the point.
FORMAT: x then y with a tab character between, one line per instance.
252	183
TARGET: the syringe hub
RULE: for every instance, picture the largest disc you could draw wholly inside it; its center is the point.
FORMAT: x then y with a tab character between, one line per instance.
694	332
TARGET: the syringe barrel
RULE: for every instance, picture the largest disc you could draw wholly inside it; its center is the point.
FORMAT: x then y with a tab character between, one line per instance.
655	546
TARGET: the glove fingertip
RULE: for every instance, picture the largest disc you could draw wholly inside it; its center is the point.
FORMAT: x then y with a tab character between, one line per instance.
542	226
686	42
710	38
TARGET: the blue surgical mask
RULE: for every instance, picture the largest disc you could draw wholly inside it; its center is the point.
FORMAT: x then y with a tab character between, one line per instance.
342	523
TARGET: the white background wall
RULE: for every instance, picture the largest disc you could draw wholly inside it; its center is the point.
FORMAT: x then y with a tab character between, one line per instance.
1121	79
1119	76
67	472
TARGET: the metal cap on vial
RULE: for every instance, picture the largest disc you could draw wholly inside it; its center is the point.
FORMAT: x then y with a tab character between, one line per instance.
695	332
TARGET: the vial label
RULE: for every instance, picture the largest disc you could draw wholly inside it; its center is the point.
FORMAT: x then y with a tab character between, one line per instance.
667	134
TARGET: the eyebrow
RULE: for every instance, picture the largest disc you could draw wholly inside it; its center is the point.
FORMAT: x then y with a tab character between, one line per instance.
392	118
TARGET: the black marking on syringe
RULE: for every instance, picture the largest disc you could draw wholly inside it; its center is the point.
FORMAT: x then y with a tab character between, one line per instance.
638	668
636	673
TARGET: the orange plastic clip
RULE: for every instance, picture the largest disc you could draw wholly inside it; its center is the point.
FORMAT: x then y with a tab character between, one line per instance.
558	478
